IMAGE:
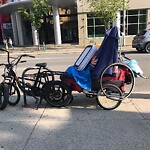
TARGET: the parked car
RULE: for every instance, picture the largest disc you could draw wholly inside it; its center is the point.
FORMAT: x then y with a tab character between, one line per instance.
142	41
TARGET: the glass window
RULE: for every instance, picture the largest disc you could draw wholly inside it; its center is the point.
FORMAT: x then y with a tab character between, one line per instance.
142	26
90	32
98	21
90	22
95	28
143	11
135	20
132	12
132	29
142	18
99	31
132	19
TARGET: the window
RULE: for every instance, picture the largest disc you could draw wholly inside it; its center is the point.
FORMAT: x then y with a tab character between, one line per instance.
135	21
95	28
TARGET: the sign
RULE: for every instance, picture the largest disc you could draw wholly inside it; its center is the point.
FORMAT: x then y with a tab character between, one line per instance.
7	26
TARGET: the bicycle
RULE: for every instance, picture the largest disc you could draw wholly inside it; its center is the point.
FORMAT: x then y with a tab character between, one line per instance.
38	82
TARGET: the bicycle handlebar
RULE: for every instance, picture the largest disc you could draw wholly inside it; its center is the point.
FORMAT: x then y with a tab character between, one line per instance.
18	58
3	49
24	55
2	64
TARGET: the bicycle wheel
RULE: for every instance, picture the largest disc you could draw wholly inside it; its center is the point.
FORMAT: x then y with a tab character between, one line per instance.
111	99
120	75
57	93
4	96
14	95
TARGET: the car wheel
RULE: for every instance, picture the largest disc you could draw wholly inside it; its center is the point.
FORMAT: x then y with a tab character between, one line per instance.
147	48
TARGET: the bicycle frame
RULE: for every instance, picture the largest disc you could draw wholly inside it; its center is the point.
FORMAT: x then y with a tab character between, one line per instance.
35	90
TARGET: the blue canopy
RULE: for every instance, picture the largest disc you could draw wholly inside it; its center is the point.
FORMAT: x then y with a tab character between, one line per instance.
107	53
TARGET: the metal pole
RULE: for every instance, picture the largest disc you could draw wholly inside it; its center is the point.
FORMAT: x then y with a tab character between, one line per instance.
124	23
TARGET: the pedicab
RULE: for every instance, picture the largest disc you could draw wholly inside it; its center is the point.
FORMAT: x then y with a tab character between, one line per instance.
97	72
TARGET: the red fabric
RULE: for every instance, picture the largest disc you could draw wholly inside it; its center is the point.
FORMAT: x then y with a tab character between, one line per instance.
4	19
73	85
121	76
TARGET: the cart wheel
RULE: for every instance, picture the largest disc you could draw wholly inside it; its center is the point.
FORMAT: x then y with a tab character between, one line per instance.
111	99
119	75
57	93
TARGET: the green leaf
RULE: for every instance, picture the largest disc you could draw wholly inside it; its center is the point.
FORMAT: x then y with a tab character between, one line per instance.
106	9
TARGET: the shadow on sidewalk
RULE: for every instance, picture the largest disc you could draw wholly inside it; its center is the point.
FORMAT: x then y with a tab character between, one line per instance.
140	96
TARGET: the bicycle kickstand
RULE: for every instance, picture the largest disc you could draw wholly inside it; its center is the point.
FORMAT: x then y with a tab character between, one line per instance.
38	103
25	100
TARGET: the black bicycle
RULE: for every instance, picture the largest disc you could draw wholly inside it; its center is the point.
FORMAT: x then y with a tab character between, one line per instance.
38	82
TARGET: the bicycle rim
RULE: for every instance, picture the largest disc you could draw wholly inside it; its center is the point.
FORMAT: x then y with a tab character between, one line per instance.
14	95
111	99
125	80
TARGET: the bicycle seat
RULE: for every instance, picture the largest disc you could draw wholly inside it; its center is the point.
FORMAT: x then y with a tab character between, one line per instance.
41	64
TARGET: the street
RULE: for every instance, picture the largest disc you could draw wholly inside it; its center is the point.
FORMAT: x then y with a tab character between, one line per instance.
82	125
60	62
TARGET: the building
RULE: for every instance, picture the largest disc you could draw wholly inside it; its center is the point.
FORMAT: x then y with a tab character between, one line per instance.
70	22
60	26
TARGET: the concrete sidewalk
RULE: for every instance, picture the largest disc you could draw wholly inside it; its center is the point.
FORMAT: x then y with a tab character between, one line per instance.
57	49
80	126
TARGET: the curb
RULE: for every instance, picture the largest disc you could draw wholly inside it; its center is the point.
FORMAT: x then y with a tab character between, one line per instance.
63	49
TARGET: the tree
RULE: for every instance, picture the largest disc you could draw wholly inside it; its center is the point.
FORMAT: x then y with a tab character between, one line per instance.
34	14
107	9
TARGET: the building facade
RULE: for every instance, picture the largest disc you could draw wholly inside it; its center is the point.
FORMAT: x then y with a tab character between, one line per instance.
70	22
91	31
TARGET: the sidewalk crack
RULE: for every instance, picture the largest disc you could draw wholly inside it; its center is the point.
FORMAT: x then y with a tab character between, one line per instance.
34	128
138	109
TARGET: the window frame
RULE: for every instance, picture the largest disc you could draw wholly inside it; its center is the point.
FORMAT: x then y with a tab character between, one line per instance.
128	24
94	26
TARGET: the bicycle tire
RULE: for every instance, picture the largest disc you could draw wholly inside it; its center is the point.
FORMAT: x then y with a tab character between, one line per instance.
128	87
4	96
57	93
14	95
109	101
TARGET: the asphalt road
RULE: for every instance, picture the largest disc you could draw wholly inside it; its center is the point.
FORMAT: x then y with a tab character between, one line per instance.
60	62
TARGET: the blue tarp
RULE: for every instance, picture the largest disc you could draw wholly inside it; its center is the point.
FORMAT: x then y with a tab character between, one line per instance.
107	53
82	78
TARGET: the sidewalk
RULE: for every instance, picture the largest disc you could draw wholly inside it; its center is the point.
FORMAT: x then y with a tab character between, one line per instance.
55	49
80	126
